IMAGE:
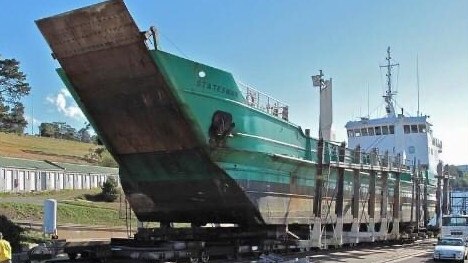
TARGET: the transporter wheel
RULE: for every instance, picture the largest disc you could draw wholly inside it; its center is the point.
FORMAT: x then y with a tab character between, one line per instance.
204	257
72	256
85	254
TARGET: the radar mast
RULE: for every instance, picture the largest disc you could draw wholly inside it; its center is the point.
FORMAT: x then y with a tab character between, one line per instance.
390	108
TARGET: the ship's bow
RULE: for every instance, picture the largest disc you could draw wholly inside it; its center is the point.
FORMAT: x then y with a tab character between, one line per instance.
165	169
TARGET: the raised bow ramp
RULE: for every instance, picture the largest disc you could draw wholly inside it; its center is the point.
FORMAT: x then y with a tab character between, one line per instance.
165	168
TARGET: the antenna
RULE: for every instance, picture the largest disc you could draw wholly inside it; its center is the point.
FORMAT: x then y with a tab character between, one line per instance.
417	79
389	94
32	114
368	110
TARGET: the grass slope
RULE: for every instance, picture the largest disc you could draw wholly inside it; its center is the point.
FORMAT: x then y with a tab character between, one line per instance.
66	214
40	148
72	208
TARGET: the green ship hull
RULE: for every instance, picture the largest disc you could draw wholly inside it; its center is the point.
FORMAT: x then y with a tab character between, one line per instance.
190	145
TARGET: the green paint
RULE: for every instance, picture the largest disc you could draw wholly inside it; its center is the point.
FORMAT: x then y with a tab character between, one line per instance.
263	147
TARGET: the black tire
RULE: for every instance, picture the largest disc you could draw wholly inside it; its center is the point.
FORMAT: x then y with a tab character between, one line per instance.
72	256
85	254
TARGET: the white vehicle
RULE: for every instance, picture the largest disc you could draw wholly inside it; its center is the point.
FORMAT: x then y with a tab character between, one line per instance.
455	226
450	248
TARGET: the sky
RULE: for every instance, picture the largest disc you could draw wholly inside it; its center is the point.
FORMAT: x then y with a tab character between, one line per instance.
276	46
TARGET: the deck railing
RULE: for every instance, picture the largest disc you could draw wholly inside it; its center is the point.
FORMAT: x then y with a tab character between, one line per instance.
259	100
356	156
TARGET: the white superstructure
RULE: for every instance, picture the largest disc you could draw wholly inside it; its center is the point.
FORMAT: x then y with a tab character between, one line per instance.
326	131
412	137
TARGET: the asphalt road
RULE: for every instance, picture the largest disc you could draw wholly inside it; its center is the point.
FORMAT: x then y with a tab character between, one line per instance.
418	252
409	253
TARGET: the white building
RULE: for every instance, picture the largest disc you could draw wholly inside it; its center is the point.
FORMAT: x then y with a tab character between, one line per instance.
23	175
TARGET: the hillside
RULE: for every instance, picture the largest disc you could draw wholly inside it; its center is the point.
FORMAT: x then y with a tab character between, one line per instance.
42	148
73	207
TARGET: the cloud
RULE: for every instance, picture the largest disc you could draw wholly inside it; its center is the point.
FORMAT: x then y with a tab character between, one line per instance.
64	103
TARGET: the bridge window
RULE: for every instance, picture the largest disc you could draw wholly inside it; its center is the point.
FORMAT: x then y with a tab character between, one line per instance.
357	132
392	129
414	128
384	130
350	133
422	128
378	131
406	129
364	132
371	131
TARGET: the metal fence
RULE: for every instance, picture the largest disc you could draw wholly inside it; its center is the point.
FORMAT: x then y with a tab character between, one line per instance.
259	100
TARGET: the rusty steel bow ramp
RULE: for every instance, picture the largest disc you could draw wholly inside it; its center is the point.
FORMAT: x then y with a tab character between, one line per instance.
165	169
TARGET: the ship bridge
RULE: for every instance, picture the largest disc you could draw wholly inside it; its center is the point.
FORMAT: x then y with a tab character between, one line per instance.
412	137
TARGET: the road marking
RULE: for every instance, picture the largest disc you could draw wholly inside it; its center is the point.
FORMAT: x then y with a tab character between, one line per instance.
405	257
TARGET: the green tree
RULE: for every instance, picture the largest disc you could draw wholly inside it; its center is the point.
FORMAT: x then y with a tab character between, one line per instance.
110	190
59	130
13	87
69	133
4	115
15	120
83	134
47	129
4	109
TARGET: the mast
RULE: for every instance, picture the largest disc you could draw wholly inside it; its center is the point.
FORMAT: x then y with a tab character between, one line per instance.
417	78
368	105
390	109
326	106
